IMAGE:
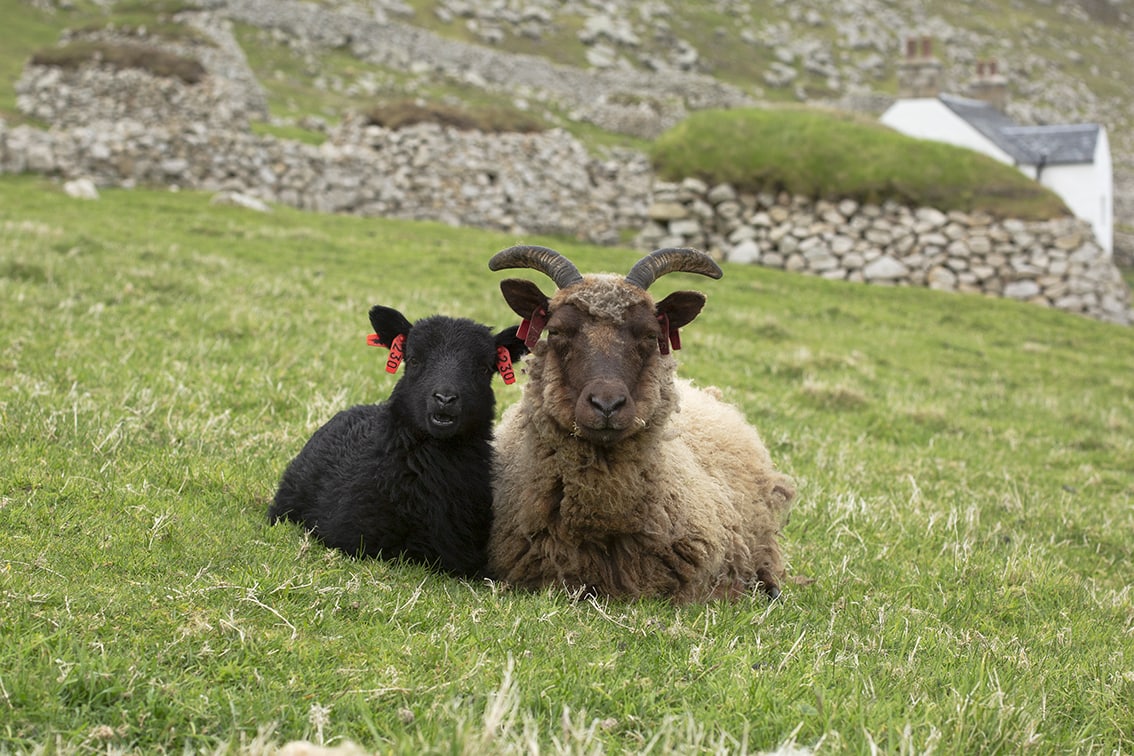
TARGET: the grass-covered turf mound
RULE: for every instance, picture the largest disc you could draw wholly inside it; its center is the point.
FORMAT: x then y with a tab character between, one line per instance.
396	114
834	155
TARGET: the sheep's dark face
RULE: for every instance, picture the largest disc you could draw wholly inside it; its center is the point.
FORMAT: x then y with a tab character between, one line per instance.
447	386
446	390
605	373
602	352
601	375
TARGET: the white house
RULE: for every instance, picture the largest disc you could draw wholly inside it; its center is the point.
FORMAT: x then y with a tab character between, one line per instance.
1073	160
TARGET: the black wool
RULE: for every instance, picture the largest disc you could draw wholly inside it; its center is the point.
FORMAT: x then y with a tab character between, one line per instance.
409	477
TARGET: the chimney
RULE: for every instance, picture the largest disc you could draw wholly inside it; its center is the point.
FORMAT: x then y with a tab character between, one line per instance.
919	73
989	85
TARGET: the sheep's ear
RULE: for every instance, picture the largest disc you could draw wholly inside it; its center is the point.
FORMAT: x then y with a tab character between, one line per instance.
681	307
509	339
388	323
390	330
524	297
677	310
509	348
527	301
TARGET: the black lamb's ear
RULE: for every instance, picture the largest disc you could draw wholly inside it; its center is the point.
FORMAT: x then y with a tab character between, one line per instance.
388	324
509	348
513	343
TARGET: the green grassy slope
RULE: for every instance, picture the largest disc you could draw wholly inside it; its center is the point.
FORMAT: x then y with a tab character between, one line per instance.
959	550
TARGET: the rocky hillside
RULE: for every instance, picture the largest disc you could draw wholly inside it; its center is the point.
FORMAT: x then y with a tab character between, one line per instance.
183	95
637	67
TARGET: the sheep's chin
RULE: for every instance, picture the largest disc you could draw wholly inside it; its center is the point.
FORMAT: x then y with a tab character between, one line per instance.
604	436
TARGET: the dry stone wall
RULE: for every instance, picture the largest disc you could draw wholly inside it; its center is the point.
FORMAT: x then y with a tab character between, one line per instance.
90	95
1055	263
228	98
520	183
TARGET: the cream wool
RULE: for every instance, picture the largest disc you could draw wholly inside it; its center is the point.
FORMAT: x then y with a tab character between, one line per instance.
683	503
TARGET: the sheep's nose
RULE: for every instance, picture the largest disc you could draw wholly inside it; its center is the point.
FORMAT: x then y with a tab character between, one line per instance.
607	405
444	400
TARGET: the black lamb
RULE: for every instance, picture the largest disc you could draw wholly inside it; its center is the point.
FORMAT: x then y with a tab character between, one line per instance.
410	477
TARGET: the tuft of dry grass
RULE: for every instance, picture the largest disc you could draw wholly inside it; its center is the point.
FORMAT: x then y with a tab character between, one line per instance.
398	114
121	56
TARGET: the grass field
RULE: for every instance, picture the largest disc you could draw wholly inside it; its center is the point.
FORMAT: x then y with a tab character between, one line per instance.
960	551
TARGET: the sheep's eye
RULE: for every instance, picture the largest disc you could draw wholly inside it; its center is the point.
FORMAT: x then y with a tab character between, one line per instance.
647	340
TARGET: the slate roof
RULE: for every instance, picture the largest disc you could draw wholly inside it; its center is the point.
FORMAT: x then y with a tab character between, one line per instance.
1029	145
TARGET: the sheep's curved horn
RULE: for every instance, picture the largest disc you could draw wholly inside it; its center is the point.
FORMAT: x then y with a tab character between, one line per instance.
557	267
672	260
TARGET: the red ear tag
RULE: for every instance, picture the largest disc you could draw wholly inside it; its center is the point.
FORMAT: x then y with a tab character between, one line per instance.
664	336
532	327
504	365
397	353
374	340
674	338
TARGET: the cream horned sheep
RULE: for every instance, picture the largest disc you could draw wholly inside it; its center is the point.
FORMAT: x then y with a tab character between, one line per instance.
600	484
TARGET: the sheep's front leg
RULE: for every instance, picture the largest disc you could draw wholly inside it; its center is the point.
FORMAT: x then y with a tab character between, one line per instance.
769	568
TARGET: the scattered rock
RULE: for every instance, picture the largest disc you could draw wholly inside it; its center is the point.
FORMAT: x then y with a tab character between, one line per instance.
238	199
81	188
885	268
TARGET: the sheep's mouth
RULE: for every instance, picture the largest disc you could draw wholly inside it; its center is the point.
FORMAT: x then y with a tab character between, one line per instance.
442	422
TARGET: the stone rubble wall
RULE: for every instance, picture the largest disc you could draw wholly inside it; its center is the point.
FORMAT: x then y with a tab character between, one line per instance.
71	99
1055	263
643	74
519	183
228	98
